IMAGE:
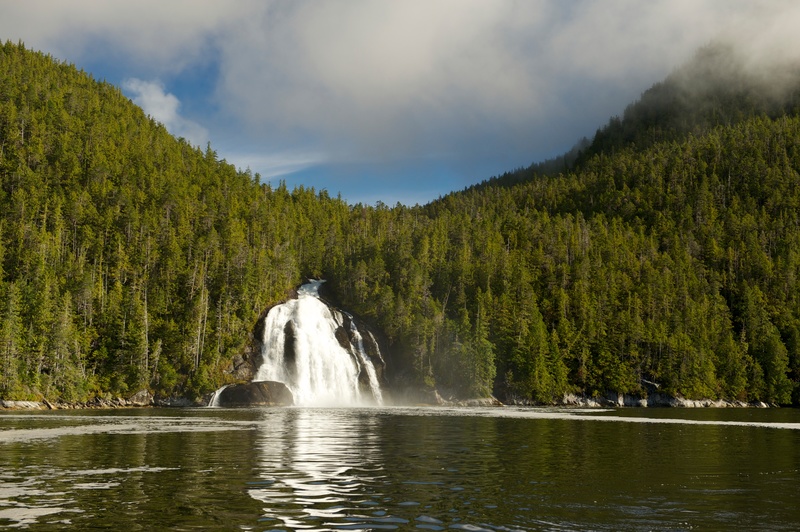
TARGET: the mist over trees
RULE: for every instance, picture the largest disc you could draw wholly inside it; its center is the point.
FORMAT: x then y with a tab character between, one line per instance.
665	251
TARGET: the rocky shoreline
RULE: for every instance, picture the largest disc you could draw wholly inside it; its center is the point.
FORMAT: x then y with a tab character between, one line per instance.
654	400
144	399
140	399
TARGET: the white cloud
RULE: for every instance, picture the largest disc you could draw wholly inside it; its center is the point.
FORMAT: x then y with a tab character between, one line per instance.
276	164
500	82
397	79
164	107
165	36
377	78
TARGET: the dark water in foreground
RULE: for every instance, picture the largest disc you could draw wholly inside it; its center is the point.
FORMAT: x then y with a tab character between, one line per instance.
401	469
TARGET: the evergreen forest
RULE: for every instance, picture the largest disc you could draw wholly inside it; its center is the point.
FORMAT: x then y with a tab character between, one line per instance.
664	253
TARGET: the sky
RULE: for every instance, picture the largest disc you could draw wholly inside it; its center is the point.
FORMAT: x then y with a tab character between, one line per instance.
388	100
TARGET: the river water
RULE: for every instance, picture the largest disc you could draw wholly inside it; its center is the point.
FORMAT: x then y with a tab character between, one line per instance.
401	469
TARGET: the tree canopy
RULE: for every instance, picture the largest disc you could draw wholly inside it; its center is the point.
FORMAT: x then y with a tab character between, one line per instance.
131	260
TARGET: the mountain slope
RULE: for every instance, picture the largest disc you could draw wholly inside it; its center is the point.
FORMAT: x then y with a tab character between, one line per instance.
128	259
132	260
719	86
675	266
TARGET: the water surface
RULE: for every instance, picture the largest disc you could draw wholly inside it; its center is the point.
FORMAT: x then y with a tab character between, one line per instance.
401	469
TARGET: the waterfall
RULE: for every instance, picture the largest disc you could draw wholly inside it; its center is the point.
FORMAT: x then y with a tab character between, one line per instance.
367	364
318	352
214	401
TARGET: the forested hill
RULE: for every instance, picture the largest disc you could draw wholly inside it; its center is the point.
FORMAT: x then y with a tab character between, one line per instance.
132	260
128	259
719	86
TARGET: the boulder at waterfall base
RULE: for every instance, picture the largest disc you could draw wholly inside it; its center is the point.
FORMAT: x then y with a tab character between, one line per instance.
262	393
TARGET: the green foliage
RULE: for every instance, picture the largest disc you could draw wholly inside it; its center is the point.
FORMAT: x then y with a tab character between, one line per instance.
130	259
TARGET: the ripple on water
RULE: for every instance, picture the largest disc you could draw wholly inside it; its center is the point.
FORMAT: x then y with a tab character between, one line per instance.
501	469
24	516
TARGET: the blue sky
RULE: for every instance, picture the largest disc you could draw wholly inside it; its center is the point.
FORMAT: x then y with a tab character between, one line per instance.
385	100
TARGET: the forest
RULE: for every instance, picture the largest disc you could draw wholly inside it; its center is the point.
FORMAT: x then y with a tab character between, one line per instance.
664	253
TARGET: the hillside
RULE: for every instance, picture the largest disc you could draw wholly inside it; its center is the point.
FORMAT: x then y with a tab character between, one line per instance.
666	258
128	259
676	265
719	86
132	260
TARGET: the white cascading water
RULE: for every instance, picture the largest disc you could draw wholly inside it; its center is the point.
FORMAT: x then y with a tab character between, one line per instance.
215	396
366	363
317	369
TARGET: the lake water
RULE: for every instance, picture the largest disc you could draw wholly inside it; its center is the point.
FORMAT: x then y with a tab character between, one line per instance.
401	469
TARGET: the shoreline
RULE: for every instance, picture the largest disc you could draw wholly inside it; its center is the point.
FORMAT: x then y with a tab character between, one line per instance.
141	399
569	401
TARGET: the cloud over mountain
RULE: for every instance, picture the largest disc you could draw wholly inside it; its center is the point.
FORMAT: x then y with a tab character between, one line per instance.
165	108
479	87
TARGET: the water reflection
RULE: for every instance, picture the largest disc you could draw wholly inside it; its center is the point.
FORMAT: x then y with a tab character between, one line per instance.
518	470
431	469
318	466
123	470
355	470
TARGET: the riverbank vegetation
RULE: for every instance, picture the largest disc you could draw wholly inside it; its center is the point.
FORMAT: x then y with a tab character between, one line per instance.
664	254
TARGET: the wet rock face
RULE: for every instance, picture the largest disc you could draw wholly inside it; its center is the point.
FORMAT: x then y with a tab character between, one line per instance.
241	367
141	398
373	351
262	393
289	351
21	405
